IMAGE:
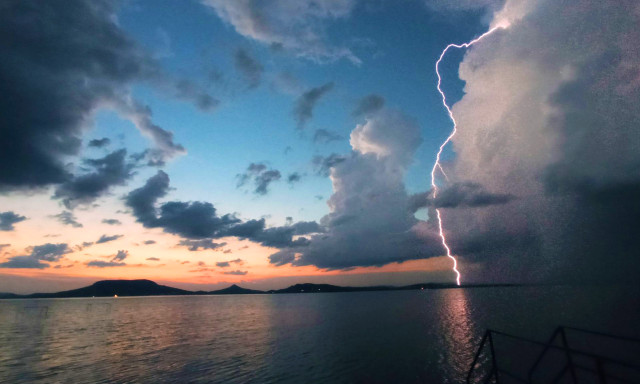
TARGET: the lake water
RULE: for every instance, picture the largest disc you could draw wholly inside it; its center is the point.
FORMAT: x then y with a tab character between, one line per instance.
363	337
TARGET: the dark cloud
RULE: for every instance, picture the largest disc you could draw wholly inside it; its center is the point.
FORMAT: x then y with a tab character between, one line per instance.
105	239
8	218
121	255
249	67
111	170
99	143
24	262
368	105
116	261
260	176
153	259
86	244
236	272
62	61
324	136
294	178
323	164
226	264
111	221
68	218
148	242
46	252
469	194
462	194
196	245
104	264
198	222
192	220
303	109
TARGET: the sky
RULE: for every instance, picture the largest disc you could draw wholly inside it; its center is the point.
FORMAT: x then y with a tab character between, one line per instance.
266	143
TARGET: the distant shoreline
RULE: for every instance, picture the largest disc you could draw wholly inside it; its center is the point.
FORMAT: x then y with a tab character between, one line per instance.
138	288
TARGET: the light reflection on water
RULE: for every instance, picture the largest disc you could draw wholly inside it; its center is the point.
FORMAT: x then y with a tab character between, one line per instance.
363	337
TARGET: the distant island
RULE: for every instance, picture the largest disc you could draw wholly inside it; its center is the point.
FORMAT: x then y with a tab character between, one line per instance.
111	288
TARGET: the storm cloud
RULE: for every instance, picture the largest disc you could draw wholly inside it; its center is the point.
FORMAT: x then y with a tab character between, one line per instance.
564	141
63	61
369	223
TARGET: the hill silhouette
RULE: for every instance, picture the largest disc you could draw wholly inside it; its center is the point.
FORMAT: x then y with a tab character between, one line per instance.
110	288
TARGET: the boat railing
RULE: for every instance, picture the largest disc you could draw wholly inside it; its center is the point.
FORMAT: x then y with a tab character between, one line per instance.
591	357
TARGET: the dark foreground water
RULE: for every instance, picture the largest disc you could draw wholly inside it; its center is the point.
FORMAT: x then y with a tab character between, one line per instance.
365	337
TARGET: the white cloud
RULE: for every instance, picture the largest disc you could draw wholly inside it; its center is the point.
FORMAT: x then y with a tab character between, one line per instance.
296	26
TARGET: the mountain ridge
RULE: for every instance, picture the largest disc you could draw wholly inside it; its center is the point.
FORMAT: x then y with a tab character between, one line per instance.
144	287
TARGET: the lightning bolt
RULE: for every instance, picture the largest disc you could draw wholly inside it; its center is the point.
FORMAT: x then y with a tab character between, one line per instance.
437	164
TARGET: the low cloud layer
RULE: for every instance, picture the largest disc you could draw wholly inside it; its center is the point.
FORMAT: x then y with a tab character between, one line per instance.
39	256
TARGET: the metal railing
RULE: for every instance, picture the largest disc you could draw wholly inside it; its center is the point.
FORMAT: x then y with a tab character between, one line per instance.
555	363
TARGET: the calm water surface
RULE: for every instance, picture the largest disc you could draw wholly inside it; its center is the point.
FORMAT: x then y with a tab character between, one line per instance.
363	337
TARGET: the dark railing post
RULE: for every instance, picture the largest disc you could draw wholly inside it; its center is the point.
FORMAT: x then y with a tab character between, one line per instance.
493	359
601	375
475	358
542	354
565	344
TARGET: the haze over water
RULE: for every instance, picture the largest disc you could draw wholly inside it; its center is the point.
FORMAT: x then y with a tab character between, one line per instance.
364	337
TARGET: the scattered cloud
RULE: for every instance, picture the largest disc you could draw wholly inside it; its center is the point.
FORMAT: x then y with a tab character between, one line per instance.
304	105
368	105
153	259
261	177
226	264
68	218
8	219
196	245
294	178
109	171
323	136
236	272
111	221
99	143
116	261
105	239
298	27
249	67
148	242
323	164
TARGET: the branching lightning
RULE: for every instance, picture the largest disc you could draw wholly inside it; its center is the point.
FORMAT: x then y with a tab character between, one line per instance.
437	165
